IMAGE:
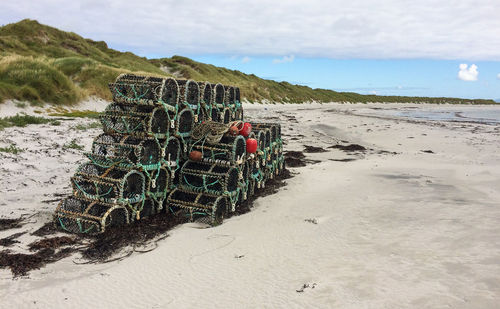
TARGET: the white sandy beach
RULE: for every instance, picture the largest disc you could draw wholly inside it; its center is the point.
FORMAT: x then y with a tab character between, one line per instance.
396	227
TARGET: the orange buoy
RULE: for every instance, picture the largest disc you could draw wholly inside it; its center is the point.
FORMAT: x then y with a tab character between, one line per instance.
233	131
251	145
195	155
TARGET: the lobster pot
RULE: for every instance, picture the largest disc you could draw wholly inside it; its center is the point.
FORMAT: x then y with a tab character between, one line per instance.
266	150
218	94
238	114
267	132
209	177
133	89
126	151
245	172
130	88
274	127
280	164
170	95
227	115
189	92
190	96
230	148
237	97
171	151
185	122
243	183
229	96
205	100
260	136
205	93
211	207
111	185
138	121
216	115
158	183
138	92
80	215
132	78
251	188
256	170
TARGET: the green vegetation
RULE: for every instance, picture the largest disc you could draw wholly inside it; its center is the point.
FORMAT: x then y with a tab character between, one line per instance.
76	114
73	145
11	149
39	63
24	120
85	127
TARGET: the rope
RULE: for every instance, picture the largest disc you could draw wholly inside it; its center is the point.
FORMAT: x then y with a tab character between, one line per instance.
211	130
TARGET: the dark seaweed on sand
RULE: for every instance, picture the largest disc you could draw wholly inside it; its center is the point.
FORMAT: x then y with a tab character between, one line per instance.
100	248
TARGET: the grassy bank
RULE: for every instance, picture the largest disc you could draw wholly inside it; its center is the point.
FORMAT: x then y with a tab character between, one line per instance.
39	63
24	120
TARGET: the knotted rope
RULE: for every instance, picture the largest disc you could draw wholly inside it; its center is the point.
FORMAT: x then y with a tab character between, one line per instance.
212	131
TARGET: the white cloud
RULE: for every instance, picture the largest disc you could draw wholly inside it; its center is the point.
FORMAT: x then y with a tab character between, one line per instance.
284	59
318	28
498	76
467	73
245	59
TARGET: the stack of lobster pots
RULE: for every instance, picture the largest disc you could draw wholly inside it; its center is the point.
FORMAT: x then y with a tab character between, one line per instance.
141	165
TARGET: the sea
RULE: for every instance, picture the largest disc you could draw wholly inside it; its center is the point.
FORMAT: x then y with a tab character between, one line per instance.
478	114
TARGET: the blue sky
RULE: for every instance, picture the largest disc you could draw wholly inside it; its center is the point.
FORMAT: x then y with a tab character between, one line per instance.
387	47
383	77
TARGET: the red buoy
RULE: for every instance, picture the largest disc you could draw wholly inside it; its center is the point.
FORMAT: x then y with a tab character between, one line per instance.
246	129
251	145
195	155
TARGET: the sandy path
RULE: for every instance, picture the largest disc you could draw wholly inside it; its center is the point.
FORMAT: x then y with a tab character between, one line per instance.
397	227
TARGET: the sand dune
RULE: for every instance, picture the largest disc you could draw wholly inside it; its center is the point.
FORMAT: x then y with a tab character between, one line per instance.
411	221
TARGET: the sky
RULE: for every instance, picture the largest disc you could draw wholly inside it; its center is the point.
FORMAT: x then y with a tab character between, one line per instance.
386	47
